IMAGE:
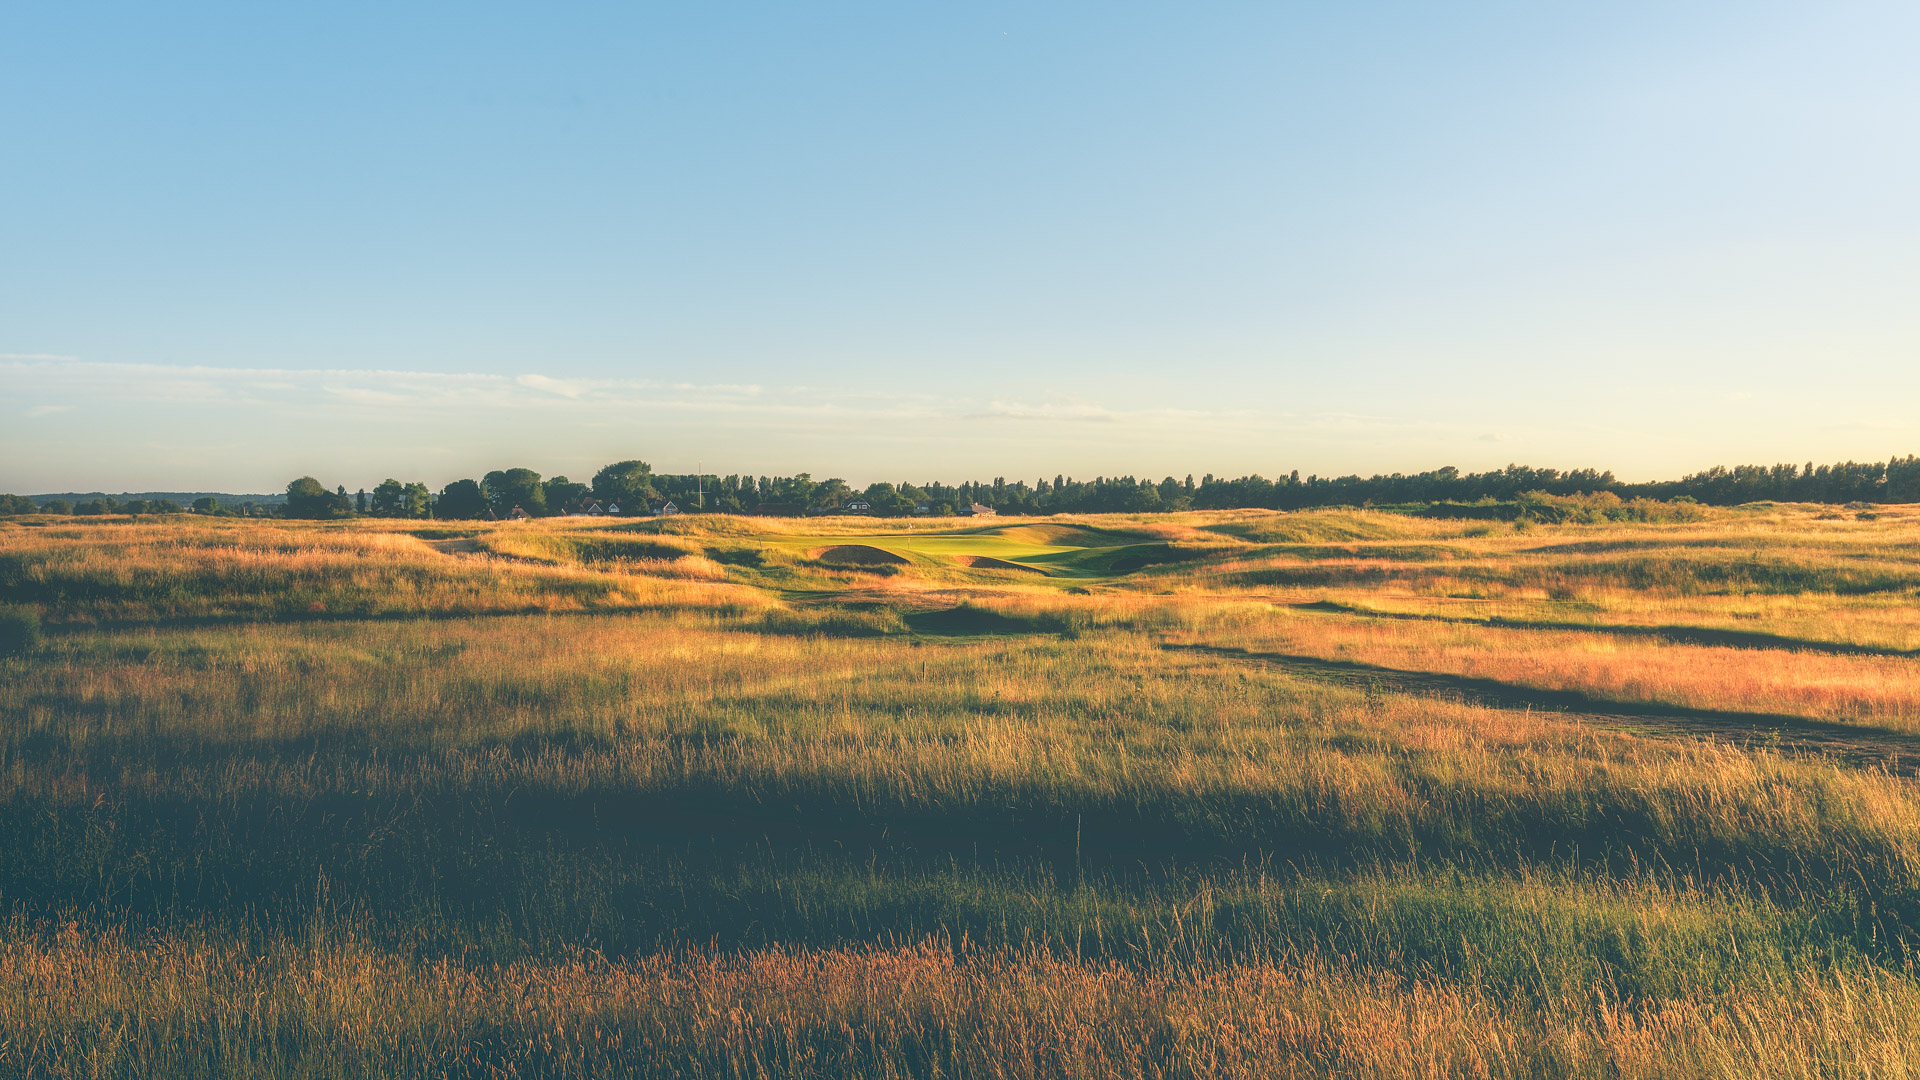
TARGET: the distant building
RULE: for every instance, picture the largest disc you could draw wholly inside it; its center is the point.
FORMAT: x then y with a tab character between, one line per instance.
976	510
859	506
922	509
518	514
613	509
593	510
666	508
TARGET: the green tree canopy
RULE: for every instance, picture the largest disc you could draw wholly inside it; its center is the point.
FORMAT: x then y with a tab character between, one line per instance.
416	501
629	483
397	500
832	491
564	494
888	502
309	498
508	488
387	497
462	499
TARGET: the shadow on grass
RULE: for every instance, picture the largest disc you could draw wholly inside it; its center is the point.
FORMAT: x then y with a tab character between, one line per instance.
1679	635
967	620
1856	744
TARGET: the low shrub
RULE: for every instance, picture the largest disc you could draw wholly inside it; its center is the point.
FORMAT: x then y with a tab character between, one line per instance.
19	631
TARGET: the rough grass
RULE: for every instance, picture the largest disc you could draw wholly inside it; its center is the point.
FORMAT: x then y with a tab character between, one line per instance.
667	798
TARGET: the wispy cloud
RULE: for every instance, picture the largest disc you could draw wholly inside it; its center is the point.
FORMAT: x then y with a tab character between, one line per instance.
366	388
1076	410
564	387
377	419
855	412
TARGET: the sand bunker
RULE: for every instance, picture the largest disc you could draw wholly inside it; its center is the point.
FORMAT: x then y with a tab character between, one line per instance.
856	555
988	562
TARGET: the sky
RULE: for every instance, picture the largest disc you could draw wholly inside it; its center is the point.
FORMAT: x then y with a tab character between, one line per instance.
911	241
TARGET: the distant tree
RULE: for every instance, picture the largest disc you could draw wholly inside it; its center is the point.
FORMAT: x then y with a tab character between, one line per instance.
887	501
16	504
797	488
564	494
57	506
416	501
832	491
360	502
389	498
308	498
206	504
462	499
1903	480
629	483
164	506
393	499
508	488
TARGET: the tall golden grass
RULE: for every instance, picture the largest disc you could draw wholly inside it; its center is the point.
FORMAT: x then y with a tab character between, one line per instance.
1882	691
334	1008
662	798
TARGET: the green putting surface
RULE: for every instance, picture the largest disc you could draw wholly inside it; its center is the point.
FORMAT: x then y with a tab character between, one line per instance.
1053	550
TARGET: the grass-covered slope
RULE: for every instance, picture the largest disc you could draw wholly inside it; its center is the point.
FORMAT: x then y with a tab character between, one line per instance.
1339	794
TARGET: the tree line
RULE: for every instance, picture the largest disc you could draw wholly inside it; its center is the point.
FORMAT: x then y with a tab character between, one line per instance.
635	489
22	504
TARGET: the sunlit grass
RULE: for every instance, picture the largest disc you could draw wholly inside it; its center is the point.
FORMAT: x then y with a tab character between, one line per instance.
679	797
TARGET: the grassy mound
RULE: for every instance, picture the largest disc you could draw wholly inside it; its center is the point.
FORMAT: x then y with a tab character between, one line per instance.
988	562
1050	535
856	555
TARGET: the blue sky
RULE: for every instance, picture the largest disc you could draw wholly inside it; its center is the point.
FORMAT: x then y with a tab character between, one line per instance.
897	241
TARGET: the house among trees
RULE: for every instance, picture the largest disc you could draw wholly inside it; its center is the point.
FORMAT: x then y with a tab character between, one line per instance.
517	514
613	509
593	510
859	506
976	510
666	508
922	509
